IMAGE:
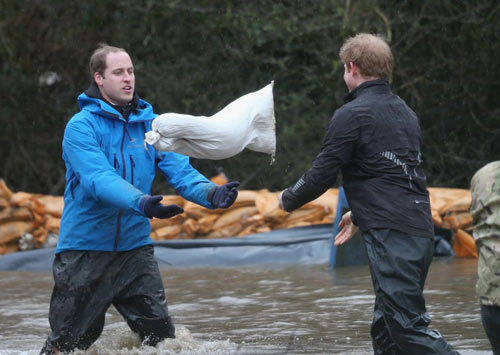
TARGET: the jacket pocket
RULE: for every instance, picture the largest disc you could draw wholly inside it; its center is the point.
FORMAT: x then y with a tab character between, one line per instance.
132	168
74	184
116	163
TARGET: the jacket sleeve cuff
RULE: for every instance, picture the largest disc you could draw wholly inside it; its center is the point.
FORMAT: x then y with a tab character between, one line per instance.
142	202
210	194
299	194
353	220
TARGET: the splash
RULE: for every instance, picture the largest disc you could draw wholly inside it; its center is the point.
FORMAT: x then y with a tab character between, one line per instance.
119	340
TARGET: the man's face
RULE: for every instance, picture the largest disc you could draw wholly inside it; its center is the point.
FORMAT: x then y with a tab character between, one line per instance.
118	82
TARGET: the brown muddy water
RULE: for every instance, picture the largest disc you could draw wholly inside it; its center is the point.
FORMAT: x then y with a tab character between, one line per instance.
292	310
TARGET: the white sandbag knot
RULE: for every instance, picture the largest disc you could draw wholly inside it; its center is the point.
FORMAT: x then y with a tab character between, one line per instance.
152	137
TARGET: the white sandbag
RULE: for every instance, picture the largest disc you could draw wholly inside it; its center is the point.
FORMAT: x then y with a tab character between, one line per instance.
247	122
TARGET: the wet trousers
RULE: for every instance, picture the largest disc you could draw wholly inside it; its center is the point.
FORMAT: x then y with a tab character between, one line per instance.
87	283
490	316
398	265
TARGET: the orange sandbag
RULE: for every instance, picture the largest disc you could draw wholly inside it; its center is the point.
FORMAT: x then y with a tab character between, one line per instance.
254	228
461	204
442	197
205	224
53	205
52	224
253	224
236	216
4	203
157	223
12	230
21	198
298	217
436	218
245	198
173	199
168	232
7	248
190	227
464	244
41	234
220	179
328	199
267	204
5	192
228	231
251	229
459	220
201	212
11	214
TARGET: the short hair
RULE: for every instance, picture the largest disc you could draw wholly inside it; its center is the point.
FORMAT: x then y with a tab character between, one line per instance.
97	62
371	53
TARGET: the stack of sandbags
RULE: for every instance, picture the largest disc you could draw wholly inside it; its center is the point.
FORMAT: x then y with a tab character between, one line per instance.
450	209
22	213
38	216
252	212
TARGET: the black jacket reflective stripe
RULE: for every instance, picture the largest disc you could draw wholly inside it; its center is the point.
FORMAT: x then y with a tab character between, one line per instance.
374	140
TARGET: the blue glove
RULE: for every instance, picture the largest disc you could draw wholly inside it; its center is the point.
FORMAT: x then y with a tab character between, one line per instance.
225	195
153	208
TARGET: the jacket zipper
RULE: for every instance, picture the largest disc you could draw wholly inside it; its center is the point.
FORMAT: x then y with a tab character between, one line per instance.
420	201
124	172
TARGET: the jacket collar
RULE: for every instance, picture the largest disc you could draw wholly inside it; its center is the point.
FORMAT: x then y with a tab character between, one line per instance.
93	101
125	110
380	85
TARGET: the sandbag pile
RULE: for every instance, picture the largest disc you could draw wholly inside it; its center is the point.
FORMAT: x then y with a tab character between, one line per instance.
32	217
252	212
450	210
30	220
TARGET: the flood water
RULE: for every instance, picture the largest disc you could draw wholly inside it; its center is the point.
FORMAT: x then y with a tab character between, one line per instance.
292	310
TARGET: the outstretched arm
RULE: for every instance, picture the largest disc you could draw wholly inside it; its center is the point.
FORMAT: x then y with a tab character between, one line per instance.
336	152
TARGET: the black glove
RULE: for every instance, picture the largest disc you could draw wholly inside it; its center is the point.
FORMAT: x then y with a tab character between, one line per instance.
225	195
153	208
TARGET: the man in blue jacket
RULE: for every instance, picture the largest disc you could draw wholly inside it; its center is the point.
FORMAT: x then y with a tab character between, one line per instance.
104	254
374	140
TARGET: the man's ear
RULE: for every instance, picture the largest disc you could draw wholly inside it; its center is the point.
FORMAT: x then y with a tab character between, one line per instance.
98	78
354	69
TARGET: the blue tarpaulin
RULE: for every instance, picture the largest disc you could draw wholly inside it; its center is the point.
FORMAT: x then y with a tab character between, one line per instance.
300	245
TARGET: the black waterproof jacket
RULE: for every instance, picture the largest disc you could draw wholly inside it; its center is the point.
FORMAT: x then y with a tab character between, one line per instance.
374	140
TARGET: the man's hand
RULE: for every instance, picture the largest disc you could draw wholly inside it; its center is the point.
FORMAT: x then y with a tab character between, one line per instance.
348	229
225	195
153	208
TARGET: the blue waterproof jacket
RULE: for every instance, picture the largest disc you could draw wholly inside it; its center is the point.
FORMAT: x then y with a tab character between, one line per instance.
108	170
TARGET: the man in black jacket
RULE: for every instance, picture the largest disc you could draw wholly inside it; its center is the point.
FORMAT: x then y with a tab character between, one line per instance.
374	139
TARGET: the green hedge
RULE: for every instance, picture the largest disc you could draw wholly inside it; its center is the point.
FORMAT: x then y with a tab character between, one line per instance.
196	56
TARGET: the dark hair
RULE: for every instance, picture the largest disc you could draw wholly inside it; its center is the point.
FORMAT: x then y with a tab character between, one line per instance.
370	53
97	62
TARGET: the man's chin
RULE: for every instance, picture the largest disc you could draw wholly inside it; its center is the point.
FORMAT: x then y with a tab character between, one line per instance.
124	100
